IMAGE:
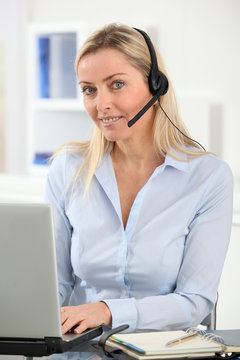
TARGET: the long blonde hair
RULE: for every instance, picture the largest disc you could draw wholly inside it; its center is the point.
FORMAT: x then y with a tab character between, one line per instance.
167	139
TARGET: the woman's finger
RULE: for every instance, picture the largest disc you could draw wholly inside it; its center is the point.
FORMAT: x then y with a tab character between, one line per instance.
81	328
69	324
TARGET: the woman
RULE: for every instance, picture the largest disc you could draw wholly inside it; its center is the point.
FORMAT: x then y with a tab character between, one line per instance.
142	214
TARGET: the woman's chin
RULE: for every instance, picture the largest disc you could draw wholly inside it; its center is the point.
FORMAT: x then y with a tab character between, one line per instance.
115	135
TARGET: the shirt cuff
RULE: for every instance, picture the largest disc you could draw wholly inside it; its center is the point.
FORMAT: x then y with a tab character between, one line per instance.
123	311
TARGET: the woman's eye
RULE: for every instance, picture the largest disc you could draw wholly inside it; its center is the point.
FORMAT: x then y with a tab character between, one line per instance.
88	90
117	84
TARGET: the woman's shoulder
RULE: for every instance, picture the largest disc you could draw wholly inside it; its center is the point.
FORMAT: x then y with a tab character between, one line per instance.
211	165
72	152
67	160
198	161
209	159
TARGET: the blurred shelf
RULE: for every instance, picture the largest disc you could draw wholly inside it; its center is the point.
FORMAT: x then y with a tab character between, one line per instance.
56	114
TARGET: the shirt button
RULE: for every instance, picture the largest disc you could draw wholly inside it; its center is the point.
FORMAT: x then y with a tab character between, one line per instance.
120	271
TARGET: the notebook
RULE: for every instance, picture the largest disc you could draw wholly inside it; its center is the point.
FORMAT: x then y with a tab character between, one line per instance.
30	321
167	344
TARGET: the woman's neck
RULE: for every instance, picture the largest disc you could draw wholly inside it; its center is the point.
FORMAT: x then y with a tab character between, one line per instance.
137	154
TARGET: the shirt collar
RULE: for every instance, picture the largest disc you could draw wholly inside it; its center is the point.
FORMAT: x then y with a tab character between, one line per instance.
177	164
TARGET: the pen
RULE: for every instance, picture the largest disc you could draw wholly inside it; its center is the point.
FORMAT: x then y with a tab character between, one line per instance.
180	340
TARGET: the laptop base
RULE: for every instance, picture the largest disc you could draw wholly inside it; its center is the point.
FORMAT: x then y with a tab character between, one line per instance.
44	347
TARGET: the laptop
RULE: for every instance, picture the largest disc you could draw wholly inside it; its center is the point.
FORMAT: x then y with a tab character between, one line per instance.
30	321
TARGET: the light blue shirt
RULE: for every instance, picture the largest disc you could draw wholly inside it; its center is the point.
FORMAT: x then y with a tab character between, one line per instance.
162	271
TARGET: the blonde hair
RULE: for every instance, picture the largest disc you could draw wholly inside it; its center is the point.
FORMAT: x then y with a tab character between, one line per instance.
167	139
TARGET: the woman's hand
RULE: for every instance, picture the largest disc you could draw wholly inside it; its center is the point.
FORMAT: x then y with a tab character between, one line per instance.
85	316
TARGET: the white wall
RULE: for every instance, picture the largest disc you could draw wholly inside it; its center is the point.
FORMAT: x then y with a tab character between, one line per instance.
12	38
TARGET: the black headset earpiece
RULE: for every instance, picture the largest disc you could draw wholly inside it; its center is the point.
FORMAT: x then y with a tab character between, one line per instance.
157	80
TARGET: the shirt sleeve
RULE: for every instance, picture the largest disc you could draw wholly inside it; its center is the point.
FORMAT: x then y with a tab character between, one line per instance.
199	275
54	195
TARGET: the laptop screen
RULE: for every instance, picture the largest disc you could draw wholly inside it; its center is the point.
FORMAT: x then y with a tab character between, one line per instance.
28	274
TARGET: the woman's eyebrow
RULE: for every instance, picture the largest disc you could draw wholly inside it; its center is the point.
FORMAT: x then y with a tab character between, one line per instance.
111	76
84	82
105	79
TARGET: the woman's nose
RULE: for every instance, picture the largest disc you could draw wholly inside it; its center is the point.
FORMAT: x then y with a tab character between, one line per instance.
103	101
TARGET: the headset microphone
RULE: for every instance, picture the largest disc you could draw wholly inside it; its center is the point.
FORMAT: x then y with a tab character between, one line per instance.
144	109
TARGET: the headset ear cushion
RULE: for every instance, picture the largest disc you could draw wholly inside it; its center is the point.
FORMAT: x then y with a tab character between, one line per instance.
158	82
163	84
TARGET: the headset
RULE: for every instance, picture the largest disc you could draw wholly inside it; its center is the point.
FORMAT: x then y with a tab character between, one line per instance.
158	86
157	80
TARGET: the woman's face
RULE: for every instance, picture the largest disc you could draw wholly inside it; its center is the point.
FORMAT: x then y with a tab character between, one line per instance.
113	93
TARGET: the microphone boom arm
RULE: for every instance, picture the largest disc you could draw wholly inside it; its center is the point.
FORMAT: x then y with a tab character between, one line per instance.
144	109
